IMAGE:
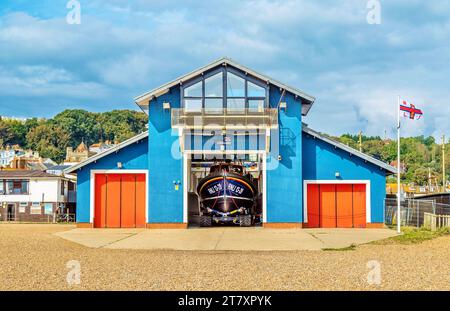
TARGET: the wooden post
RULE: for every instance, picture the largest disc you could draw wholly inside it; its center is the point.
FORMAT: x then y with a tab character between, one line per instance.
426	220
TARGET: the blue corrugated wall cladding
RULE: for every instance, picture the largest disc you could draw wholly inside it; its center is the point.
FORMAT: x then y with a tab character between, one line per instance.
284	177
321	161
134	156
165	162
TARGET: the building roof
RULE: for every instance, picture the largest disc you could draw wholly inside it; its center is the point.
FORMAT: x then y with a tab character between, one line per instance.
58	167
20	174
381	164
100	155
143	100
36	166
81	147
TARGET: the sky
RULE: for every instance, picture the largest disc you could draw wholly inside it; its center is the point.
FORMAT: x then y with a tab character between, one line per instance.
328	49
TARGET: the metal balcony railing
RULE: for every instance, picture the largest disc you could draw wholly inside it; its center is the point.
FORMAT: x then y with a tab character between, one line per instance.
227	118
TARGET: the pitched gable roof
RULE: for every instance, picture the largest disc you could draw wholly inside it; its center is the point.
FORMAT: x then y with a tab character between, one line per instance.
365	157
20	174
100	155
143	100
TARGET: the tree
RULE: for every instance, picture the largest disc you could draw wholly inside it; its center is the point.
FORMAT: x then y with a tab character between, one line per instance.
5	133
81	124
49	140
122	124
18	132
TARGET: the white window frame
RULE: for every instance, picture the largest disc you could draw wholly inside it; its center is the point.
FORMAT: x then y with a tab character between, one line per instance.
337	182
115	171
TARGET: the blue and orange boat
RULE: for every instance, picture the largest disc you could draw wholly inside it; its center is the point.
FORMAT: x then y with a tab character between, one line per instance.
227	195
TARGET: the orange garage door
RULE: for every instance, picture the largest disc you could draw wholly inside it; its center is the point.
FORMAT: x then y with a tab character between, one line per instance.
119	201
336	205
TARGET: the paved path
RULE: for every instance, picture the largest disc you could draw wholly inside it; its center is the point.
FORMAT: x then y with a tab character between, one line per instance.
224	238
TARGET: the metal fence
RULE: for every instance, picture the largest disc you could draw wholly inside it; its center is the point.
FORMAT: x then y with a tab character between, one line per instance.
46	218
412	211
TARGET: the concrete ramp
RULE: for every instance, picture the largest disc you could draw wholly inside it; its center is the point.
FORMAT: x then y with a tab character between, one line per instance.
224	238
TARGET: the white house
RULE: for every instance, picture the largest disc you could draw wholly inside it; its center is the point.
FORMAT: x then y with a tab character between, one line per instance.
30	195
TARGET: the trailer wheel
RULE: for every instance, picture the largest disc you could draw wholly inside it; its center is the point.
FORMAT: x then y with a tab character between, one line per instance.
245	220
205	221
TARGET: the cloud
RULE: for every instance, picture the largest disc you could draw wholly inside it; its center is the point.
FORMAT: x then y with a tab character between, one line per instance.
122	49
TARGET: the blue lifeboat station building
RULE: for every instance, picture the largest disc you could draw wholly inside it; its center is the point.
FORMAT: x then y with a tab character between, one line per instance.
225	110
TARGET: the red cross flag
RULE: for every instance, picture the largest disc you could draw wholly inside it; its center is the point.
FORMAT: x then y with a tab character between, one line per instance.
410	111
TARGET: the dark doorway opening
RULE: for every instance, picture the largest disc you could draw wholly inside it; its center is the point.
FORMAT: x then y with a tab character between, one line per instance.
11	212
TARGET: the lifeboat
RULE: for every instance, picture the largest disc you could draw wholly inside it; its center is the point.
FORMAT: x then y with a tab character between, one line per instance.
227	195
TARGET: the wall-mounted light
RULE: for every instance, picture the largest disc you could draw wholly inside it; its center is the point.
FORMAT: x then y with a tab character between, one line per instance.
337	174
119	165
176	184
283	106
166	105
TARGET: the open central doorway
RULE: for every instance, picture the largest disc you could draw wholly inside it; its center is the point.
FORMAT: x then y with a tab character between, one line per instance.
205	169
11	212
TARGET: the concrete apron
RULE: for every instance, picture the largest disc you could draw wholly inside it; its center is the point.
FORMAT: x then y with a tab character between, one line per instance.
224	238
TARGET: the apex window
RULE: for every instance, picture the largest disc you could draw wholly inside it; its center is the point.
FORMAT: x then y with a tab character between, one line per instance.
224	91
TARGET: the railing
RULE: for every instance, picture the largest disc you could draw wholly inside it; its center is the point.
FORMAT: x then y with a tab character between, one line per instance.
226	118
43	218
434	222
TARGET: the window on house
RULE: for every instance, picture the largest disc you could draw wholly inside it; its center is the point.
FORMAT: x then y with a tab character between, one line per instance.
235	86
214	94
193	105
194	90
254	90
62	187
35	208
193	97
256	105
214	85
17	187
214	105
2	186
236	105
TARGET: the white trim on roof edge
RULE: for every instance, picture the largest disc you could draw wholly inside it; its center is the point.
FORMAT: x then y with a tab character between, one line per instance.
355	152
143	99
106	152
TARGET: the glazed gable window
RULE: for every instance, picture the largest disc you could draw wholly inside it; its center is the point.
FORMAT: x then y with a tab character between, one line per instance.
193	97
224	90
214	93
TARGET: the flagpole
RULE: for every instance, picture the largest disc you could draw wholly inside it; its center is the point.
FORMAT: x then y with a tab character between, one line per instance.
398	165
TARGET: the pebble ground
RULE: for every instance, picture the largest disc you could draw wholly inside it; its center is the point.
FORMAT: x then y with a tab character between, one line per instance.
32	258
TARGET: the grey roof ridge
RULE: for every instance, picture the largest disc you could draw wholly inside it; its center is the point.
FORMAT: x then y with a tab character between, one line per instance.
215	63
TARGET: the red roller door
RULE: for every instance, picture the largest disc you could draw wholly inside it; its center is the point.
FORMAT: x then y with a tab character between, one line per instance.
359	206
313	204
119	201
336	205
327	206
344	208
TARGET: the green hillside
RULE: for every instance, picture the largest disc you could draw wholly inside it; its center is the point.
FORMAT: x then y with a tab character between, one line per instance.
50	137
